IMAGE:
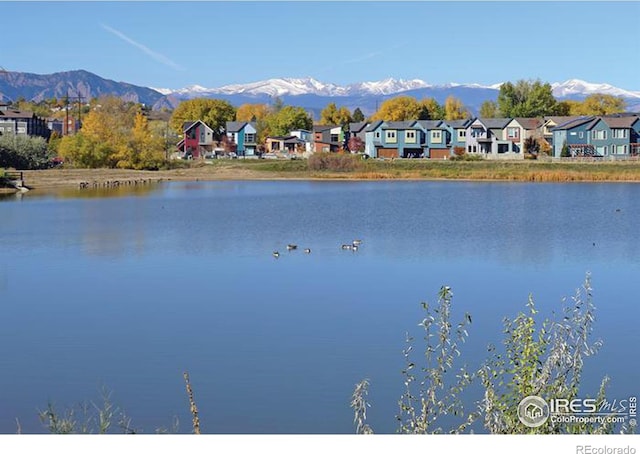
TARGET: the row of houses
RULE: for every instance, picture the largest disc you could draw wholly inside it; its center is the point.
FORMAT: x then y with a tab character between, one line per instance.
614	136
22	123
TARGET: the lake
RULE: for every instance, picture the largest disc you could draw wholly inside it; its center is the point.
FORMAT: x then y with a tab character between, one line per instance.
126	289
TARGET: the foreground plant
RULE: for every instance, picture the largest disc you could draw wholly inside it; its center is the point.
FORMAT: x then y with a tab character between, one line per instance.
537	359
87	418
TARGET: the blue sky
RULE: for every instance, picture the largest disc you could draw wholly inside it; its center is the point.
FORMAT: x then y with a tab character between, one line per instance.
175	44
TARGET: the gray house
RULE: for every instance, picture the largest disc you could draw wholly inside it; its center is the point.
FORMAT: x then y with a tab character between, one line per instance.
486	136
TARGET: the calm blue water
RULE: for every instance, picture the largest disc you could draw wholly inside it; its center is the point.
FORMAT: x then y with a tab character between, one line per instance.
128	290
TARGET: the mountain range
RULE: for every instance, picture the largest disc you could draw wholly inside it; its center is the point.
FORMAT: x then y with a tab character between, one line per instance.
307	92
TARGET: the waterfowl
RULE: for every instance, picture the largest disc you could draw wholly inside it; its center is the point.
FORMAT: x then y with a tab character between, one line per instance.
307	251
291	247
357	242
276	254
354	248
347	246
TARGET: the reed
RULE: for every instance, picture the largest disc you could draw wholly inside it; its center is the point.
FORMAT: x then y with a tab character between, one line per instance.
192	405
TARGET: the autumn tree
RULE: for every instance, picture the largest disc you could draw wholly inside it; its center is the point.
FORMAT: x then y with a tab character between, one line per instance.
358	116
115	133
355	144
252	112
142	150
599	104
526	99
489	109
430	109
213	112
454	109
331	115
399	108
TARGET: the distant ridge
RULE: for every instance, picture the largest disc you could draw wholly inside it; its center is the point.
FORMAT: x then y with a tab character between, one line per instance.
308	92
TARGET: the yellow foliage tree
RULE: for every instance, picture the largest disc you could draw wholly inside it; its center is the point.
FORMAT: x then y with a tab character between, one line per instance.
454	109
399	108
331	115
598	104
252	112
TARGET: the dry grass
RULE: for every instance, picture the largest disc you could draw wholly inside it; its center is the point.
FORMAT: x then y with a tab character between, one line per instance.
401	169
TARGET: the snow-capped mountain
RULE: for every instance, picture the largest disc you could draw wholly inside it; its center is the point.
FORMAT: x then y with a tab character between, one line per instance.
310	86
579	87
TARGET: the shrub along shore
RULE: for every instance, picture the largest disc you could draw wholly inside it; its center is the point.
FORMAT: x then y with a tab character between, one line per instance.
345	167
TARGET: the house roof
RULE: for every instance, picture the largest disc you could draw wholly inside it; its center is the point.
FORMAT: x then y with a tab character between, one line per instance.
236	126
358	127
409	124
373	126
187	125
322	128
620	122
558	120
529	123
459	123
16	114
430	124
495	123
573	123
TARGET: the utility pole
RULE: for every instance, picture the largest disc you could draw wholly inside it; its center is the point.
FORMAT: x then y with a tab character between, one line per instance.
73	99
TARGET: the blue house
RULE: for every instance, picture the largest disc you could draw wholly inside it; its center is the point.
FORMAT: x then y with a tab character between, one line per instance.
244	135
458	133
615	136
395	139
574	135
437	139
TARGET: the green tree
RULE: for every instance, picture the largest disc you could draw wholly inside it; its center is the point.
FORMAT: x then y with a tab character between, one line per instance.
454	109
430	109
526	99
331	115
24	153
287	118
489	109
358	116
213	112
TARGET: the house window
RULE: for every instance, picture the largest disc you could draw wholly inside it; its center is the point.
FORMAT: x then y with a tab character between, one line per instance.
377	134
475	149
411	134
513	133
476	132
462	134
390	136
619	133
602	151
618	149
581	134
436	136
249	138
335	137
599	135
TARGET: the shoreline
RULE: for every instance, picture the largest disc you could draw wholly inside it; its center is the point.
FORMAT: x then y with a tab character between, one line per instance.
494	171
